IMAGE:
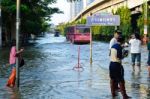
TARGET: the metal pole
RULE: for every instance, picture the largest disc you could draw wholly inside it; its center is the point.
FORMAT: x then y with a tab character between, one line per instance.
116	27
145	21
17	40
90	45
0	25
145	18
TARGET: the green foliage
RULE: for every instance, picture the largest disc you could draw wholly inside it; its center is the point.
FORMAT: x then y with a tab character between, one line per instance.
34	15
140	24
105	32
140	21
83	21
125	17
62	28
108	30
96	30
39	12
102	32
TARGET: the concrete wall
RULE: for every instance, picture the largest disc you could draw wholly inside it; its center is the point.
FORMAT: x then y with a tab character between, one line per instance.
134	3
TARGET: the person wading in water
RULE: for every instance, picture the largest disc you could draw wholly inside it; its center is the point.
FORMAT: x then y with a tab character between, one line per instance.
116	70
113	41
12	61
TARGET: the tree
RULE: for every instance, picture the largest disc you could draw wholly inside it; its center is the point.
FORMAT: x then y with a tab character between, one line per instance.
125	17
140	22
34	16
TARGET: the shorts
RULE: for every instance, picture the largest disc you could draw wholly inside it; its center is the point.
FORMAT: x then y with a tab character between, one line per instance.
116	71
134	57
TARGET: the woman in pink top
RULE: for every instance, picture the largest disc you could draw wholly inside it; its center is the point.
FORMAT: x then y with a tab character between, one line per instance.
12	57
12	62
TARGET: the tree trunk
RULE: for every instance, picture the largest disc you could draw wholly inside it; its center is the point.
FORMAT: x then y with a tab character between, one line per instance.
13	30
6	37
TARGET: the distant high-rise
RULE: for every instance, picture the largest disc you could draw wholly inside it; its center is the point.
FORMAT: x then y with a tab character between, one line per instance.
89	1
84	4
76	7
72	10
84	8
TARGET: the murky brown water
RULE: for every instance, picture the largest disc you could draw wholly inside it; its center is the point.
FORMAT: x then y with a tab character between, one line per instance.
49	74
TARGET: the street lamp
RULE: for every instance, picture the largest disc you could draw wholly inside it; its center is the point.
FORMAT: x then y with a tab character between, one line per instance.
17	40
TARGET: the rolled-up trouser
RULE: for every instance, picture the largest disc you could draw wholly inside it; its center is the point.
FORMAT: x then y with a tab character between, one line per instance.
136	57
12	78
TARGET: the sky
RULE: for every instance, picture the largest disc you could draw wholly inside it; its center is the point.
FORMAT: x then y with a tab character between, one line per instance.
63	5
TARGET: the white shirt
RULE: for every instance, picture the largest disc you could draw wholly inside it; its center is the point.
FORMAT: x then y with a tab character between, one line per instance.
112	42
135	45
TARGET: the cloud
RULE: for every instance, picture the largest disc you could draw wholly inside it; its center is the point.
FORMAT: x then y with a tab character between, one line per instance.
64	6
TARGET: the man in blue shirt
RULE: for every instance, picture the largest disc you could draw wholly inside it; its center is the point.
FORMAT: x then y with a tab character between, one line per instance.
116	70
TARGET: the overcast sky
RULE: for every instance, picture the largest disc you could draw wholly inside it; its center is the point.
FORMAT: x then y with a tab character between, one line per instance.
63	5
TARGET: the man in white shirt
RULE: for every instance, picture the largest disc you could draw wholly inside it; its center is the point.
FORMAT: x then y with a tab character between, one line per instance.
135	43
114	39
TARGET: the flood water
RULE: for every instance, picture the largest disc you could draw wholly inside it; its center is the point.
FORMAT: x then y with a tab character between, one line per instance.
49	74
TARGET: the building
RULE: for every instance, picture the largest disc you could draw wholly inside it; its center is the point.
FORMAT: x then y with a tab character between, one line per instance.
88	2
76	7
91	7
98	6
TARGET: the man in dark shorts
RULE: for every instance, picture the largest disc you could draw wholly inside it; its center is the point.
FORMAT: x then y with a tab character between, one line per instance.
116	70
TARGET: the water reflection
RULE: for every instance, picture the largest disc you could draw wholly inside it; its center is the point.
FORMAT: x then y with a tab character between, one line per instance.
135	84
90	76
48	72
14	93
148	89
79	76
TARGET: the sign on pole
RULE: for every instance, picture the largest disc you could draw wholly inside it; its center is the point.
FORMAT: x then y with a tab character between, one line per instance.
104	20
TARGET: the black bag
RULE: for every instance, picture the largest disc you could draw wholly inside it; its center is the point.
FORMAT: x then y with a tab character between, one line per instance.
125	53
21	62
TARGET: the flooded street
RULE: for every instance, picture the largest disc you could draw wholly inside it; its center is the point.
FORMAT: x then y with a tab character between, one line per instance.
48	72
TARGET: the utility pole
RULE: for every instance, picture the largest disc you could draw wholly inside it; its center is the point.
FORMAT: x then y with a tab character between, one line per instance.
145	21
0	24
91	41
17	40
91	46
